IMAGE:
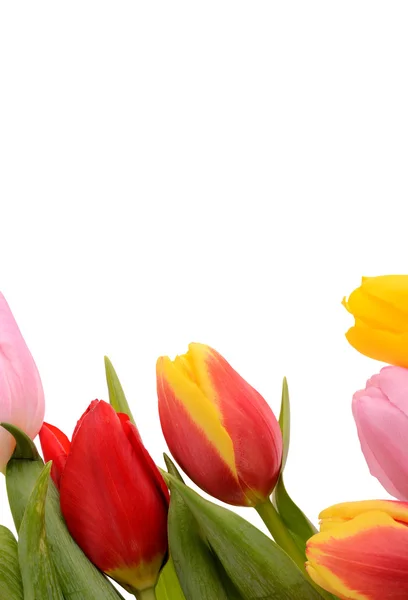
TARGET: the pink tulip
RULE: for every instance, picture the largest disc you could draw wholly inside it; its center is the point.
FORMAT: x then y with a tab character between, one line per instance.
381	415
21	392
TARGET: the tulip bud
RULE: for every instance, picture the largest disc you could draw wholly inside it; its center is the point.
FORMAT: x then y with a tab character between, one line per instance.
21	392
381	415
380	309
361	552
219	429
113	498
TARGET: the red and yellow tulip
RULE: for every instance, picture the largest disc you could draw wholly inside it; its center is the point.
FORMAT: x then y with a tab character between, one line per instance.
113	498
362	551
219	429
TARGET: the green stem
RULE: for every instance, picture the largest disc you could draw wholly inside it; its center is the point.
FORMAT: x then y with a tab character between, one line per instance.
280	534
149	594
282	537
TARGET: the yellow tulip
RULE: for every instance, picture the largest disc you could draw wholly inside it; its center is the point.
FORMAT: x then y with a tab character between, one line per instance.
380	309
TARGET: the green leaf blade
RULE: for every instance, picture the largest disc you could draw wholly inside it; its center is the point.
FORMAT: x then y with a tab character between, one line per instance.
11	585
37	569
168	586
256	566
117	396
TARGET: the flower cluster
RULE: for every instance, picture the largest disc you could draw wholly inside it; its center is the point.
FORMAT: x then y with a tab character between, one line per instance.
96	507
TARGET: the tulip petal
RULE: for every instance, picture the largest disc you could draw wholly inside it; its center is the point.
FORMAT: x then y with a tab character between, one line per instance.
345	511
55	446
393	289
383	431
251	425
192	427
363	559
152	472
21	392
111	508
393	383
381	345
376	312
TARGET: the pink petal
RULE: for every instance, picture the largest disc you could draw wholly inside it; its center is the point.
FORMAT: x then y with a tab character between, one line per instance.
383	433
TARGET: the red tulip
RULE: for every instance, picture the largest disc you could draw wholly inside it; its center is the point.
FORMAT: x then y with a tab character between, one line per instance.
113	498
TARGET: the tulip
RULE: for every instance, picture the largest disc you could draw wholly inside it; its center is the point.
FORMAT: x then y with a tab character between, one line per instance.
381	415
218	428
113	498
380	309
362	551
21	392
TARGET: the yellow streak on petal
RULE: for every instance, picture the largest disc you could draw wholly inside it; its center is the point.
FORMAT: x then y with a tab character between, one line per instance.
198	356
183	377
325	578
340	513
362	522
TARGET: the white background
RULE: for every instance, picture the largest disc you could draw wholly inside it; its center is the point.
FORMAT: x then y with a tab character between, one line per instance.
221	172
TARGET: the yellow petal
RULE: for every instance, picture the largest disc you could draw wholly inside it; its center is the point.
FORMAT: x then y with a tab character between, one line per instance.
201	409
381	345
377	313
340	513
390	288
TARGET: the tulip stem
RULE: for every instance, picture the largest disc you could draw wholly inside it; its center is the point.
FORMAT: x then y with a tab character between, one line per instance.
149	594
280	534
282	537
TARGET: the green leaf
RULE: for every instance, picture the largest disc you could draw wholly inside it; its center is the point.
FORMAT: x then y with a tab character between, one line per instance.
294	519
253	564
37	569
168	587
171	467
284	421
11	585
200	575
117	396
25	447
78	577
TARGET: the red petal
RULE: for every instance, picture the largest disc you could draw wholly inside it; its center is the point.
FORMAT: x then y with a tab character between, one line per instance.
374	562
55	446
112	508
192	450
79	423
251	425
151	470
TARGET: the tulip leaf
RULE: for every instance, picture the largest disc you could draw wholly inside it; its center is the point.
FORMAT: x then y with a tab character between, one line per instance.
294	519
171	468
37	569
78	577
11	585
168	587
25	447
117	396
284	421
210	543
196	566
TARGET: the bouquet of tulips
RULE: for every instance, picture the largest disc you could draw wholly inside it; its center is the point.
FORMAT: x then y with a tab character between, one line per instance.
96	508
